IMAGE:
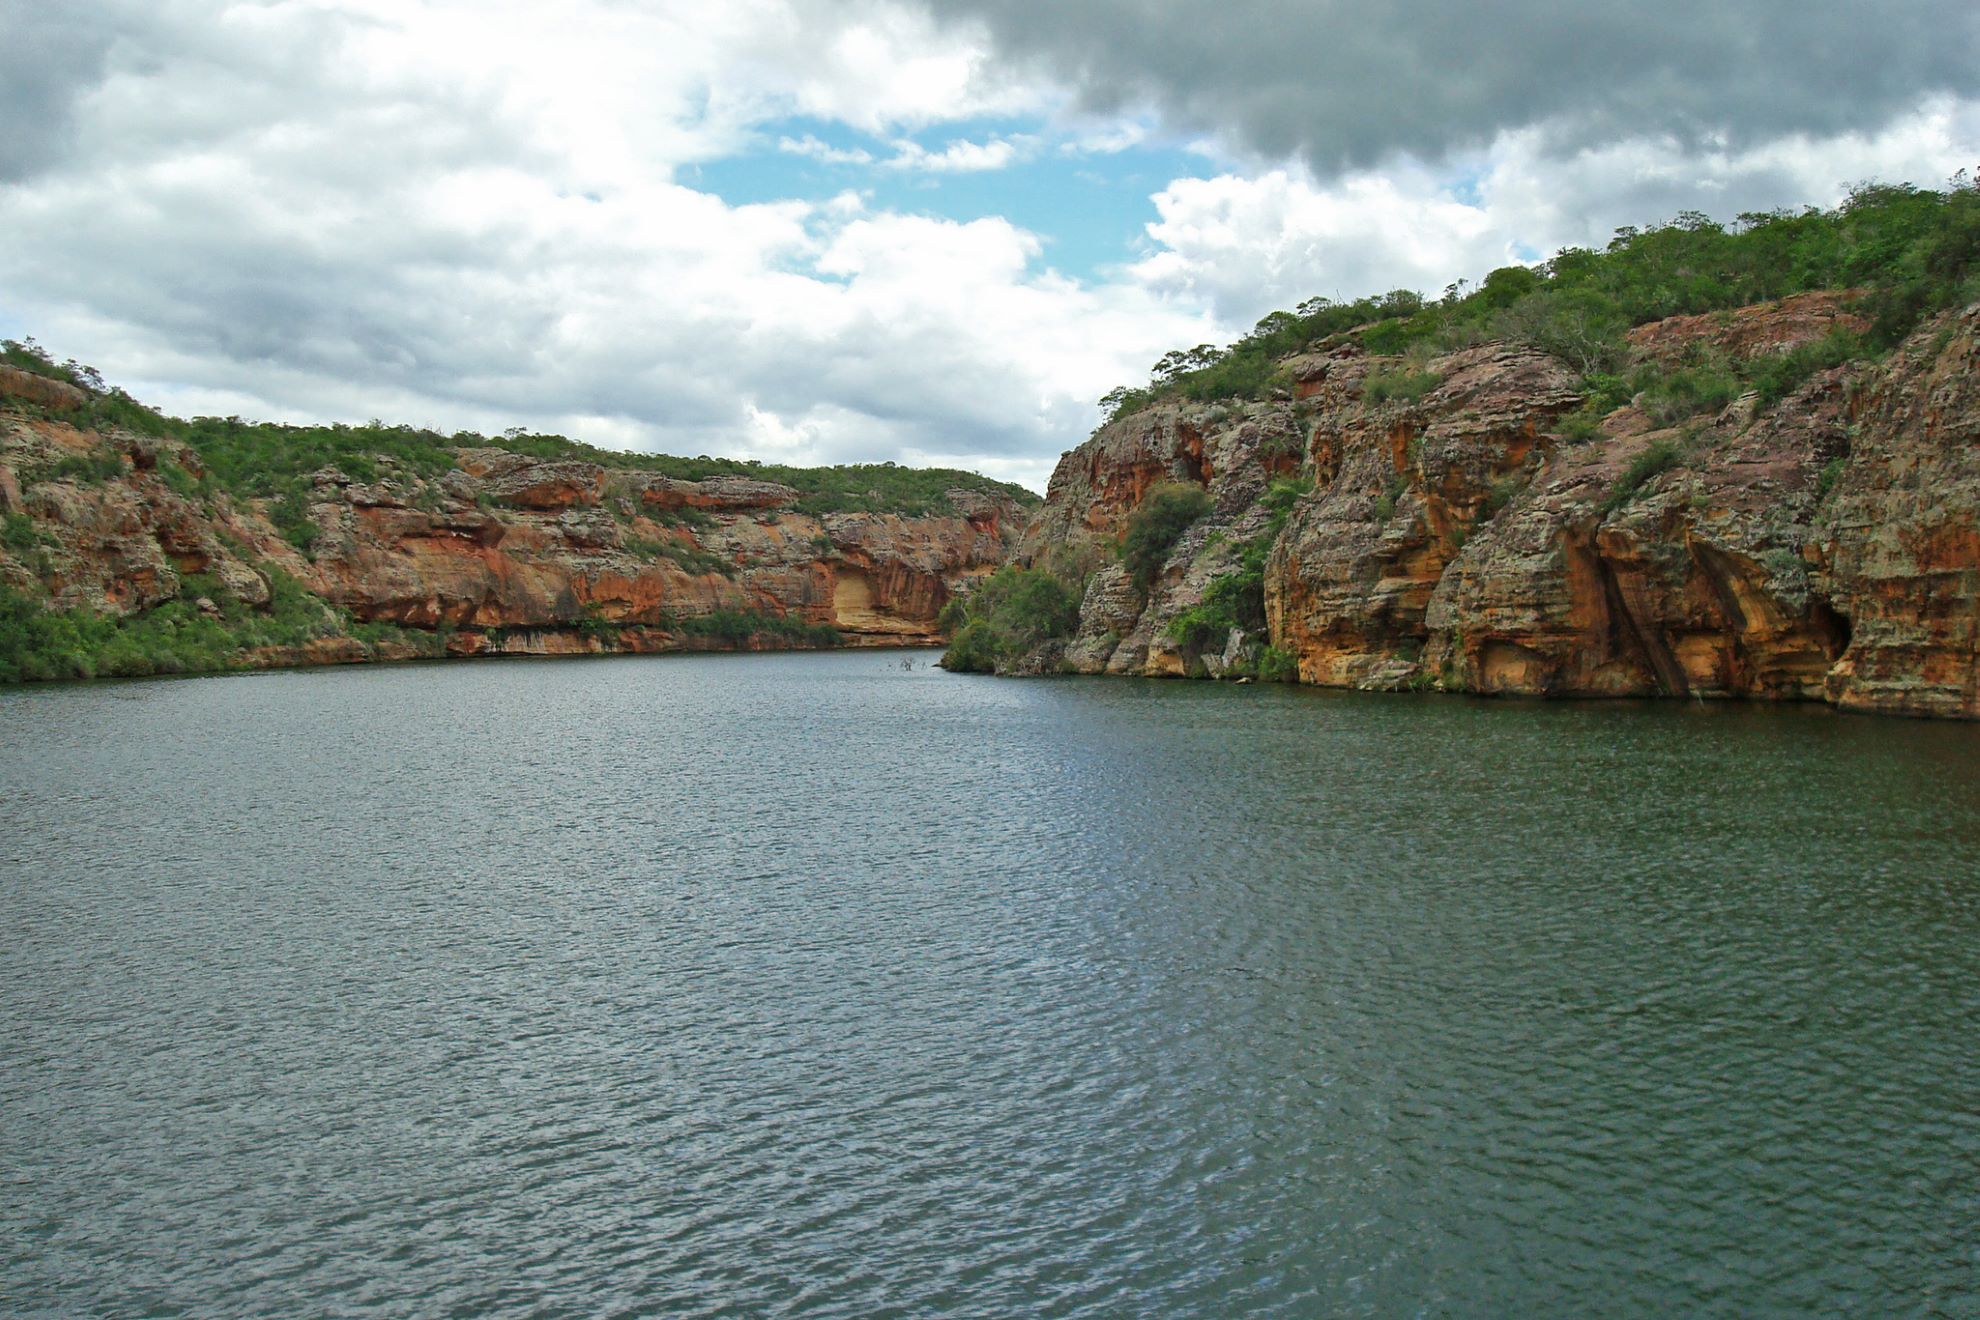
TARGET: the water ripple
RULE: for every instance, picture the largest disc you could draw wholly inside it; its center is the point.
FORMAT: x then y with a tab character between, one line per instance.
757	986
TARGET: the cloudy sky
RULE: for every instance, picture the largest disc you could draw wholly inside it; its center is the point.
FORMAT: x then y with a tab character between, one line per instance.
808	231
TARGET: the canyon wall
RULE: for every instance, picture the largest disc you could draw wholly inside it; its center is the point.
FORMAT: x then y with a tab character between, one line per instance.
1824	548
500	553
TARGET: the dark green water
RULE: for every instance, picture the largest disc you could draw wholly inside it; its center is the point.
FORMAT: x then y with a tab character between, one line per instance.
779	985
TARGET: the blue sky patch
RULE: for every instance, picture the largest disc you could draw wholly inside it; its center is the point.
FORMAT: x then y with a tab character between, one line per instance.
1089	208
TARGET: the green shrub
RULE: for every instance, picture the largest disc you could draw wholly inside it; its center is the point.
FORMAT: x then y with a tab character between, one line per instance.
1661	456
21	538
1153	529
1385	503
1392	337
1237	599
1831	473
974	648
1582	327
742	627
1278	666
1011	613
1278	501
91	469
1604	392
1282	445
290	515
1502	492
1398	383
1581	426
1687	392
1777	375
183	483
177	637
598	628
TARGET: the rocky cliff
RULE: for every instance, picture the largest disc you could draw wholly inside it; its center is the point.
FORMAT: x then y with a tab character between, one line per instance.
1450	528
498	552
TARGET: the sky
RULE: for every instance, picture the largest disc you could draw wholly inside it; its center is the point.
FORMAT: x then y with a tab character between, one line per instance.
919	231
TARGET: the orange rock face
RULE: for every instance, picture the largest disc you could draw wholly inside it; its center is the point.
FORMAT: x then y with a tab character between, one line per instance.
1770	327
1826	549
1899	543
501	554
39	390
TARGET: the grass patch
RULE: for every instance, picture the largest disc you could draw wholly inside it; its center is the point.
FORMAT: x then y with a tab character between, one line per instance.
1660	457
92	469
1398	384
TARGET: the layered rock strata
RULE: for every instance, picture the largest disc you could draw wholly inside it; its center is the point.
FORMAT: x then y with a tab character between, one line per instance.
501	553
1826	548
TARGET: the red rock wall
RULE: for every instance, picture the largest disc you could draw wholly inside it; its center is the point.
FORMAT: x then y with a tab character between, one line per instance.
501	553
1828	549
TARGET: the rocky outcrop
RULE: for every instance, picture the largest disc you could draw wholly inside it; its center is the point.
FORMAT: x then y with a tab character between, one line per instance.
1454	536
1897	545
1770	327
502	553
1401	487
1697	586
40	391
733	493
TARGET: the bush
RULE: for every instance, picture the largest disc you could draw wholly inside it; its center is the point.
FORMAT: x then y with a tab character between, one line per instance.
92	469
1502	492
1278	666
1831	473
1661	456
1385	503
21	538
1581	426
1775	376
1398	383
742	627
1582	327
176	637
1011	613
1687	392
1154	528
182	482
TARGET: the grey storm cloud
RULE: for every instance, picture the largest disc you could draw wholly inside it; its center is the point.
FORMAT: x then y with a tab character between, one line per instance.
47	60
1344	83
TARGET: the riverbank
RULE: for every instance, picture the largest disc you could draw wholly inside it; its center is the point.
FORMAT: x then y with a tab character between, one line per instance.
134	543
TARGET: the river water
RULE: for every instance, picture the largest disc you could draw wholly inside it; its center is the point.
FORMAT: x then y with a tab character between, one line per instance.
820	985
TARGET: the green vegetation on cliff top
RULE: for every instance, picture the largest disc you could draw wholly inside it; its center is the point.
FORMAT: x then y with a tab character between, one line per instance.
1910	252
274	460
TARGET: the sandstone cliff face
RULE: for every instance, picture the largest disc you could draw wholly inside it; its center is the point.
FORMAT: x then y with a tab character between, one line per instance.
1827	548
1898	542
500	553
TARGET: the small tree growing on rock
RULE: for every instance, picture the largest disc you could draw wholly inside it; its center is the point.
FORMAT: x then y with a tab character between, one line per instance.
1154	528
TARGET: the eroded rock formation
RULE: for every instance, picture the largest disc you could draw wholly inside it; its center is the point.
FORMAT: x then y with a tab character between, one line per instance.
501	552
1826	548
